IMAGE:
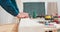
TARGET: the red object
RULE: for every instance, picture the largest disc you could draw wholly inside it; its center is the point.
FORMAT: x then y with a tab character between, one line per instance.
56	21
58	16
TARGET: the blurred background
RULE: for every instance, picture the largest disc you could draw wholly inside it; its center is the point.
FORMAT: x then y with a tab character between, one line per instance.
47	7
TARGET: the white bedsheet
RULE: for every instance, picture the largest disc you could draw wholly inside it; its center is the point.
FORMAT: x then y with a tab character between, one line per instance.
28	25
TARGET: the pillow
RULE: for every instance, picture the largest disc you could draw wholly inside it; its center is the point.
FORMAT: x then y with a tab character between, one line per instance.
9	28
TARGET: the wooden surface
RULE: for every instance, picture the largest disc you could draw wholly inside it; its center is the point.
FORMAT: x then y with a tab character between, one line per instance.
9	28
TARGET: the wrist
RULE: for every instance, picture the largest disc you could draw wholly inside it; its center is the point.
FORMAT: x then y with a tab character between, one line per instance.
18	15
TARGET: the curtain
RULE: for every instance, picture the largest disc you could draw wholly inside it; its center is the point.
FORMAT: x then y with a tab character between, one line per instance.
52	8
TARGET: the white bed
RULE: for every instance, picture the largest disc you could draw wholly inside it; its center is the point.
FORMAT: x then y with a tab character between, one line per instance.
28	25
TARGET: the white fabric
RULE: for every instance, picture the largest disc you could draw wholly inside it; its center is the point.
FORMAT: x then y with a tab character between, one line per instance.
28	25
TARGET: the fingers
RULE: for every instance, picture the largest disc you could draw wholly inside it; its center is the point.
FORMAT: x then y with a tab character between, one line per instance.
23	15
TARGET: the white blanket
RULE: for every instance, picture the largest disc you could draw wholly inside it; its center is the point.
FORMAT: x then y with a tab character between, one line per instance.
28	25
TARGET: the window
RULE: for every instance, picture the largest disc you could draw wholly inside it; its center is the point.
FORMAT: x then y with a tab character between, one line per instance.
37	7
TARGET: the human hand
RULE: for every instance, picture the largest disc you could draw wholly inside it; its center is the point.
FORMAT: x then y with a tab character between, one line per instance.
22	15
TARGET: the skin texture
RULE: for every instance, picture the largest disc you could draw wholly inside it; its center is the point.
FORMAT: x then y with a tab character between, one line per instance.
22	15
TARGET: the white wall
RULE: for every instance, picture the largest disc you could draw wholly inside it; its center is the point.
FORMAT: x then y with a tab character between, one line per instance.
39	0
5	17
59	7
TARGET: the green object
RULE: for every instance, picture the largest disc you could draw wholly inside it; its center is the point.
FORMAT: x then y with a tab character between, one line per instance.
34	14
30	7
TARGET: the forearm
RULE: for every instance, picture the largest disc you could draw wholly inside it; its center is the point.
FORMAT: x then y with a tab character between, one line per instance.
9	7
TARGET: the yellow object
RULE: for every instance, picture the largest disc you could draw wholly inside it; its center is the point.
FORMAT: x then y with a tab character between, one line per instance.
48	17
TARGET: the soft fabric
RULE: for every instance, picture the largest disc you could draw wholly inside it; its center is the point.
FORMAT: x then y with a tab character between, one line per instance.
10	6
